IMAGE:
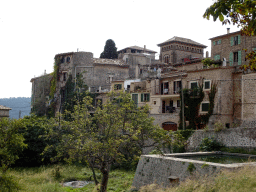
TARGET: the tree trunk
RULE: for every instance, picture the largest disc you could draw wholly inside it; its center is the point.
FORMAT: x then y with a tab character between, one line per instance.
94	176
104	181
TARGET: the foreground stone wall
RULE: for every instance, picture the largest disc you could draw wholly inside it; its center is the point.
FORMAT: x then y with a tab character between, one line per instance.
233	137
173	168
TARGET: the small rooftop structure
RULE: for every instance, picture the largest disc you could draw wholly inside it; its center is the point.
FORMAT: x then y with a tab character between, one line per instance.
137	49
4	111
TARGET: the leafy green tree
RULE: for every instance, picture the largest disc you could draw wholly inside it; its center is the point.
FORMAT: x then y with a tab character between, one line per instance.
33	130
110	50
101	139
238	12
11	142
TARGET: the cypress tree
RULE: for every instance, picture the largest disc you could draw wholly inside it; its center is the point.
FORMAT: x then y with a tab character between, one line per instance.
110	50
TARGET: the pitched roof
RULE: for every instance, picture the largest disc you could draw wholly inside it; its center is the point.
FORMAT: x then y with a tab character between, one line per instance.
118	62
4	108
227	34
138	48
183	40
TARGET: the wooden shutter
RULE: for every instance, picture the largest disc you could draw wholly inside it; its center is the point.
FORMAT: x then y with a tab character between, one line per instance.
239	57
254	49
232	41
142	97
231	58
213	42
219	41
239	39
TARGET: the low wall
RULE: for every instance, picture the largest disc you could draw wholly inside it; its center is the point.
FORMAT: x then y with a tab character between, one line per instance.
232	137
173	168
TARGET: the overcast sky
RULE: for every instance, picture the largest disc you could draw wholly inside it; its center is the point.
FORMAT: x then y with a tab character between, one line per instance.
32	32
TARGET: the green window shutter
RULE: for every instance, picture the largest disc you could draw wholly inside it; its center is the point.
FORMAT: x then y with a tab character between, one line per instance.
213	42
239	57
232	41
254	49
219	41
142	97
120	85
231	58
216	57
239	39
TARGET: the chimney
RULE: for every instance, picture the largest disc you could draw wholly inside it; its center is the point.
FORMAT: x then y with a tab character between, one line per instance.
207	54
144	48
228	30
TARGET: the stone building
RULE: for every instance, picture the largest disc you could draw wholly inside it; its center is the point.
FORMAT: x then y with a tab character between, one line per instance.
137	58
180	50
4	111
40	93
230	47
97	74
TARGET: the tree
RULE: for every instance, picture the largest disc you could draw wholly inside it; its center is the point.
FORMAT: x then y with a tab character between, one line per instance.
241	13
100	139
11	142
192	101
109	50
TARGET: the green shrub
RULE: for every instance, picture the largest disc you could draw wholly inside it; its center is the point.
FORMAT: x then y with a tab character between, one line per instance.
210	144
8	183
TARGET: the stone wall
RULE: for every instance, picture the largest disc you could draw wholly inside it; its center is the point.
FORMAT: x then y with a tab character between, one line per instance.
224	48
232	137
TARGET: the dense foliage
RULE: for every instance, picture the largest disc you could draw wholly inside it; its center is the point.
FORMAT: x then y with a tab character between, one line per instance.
111	135
192	101
110	50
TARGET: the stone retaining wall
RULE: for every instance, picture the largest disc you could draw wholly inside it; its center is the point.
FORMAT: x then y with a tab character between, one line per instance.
233	137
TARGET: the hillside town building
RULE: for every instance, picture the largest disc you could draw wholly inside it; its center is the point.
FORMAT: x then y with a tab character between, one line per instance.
158	82
4	111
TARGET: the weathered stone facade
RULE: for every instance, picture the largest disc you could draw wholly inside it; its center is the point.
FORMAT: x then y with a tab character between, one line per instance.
40	90
180	50
244	137
231	47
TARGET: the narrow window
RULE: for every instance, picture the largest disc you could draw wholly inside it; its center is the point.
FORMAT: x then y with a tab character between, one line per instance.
178	103
64	76
205	107
207	84
235	58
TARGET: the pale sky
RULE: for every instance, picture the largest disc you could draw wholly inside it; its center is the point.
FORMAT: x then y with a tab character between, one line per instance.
33	31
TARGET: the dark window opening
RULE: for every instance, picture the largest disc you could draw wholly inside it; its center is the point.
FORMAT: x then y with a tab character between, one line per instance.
227	125
117	86
205	107
235	56
193	85
178	103
176	87
236	40
207	84
68	59
64	76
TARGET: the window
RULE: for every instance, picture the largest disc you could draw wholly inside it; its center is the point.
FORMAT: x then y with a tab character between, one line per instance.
154	102
117	86
145	97
235	57
235	40
64	76
178	103
207	84
205	107
193	84
68	59
176	87
62	60
166	59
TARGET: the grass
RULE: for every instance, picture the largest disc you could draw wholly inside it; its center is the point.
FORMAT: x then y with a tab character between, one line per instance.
243	179
49	178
